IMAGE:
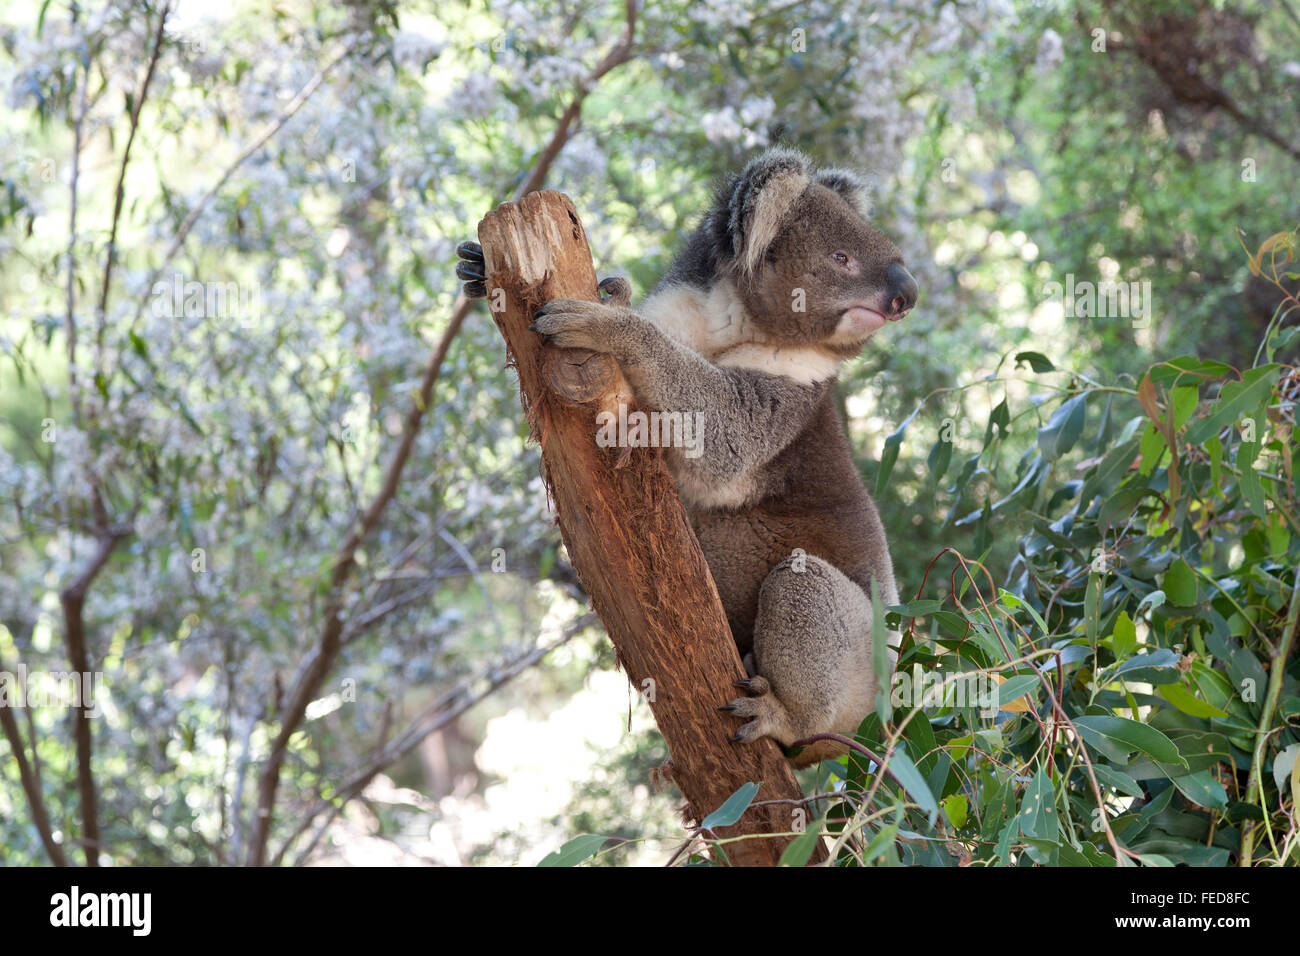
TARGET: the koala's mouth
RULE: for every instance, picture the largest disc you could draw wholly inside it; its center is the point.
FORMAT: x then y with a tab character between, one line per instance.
859	321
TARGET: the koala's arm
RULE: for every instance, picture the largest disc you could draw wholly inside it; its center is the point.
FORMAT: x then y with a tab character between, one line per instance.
749	416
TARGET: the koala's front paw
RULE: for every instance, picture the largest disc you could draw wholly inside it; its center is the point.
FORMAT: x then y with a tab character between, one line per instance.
578	324
472	270
617	290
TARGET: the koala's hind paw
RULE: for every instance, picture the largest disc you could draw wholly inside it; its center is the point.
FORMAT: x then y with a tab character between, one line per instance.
575	324
755	686
765	710
472	269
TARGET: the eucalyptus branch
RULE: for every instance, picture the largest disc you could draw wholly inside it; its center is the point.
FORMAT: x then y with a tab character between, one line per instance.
31	783
119	195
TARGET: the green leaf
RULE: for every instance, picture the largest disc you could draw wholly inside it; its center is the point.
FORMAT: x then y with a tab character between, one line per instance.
1064	427
956	807
732	808
1009	833
1152	601
921	741
1283	766
1215	447
1252	490
1124	639
881	843
1014	688
938	459
999	418
802	846
1200	749
1235	399
889	455
953	623
1183	401
1038	808
1179	584
575	851
1110	472
1122	782
1159	659
1069	856
1182	698
1151	447
1202	789
138	345
1176	852
1117	737
904	771
1187	369
1092	607
918	608
1037	361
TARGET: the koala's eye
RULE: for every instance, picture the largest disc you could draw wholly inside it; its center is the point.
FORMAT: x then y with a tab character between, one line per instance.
841	257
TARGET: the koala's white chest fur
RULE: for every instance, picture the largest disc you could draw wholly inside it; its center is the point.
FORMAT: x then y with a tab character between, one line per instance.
717	326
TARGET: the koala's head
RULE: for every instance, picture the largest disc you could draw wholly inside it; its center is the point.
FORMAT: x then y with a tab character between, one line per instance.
808	265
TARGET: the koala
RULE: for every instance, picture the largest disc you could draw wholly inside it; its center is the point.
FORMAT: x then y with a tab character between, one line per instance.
784	279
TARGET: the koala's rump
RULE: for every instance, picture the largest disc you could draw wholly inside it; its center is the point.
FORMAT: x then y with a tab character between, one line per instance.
742	546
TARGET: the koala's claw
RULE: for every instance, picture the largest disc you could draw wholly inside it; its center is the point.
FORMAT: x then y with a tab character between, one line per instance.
760	707
574	324
755	686
469	271
618	291
472	269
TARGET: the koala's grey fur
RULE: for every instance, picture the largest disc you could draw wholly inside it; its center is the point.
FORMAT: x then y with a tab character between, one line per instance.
791	535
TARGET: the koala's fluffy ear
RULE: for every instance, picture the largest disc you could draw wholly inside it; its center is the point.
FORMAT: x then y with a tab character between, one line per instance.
850	185
760	198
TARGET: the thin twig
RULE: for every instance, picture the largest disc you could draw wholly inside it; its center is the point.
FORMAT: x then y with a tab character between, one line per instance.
73	600
70	320
31	784
119	194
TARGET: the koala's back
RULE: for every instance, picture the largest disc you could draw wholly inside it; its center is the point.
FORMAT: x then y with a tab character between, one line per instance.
808	497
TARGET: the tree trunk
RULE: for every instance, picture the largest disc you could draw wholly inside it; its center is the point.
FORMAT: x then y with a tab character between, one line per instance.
627	533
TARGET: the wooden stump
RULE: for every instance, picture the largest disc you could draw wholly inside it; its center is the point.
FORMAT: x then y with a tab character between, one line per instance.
627	532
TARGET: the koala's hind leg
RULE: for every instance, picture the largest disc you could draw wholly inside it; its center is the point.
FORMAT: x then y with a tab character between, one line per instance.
812	658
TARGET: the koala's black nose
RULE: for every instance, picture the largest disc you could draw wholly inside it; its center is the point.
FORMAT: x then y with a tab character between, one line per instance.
902	290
